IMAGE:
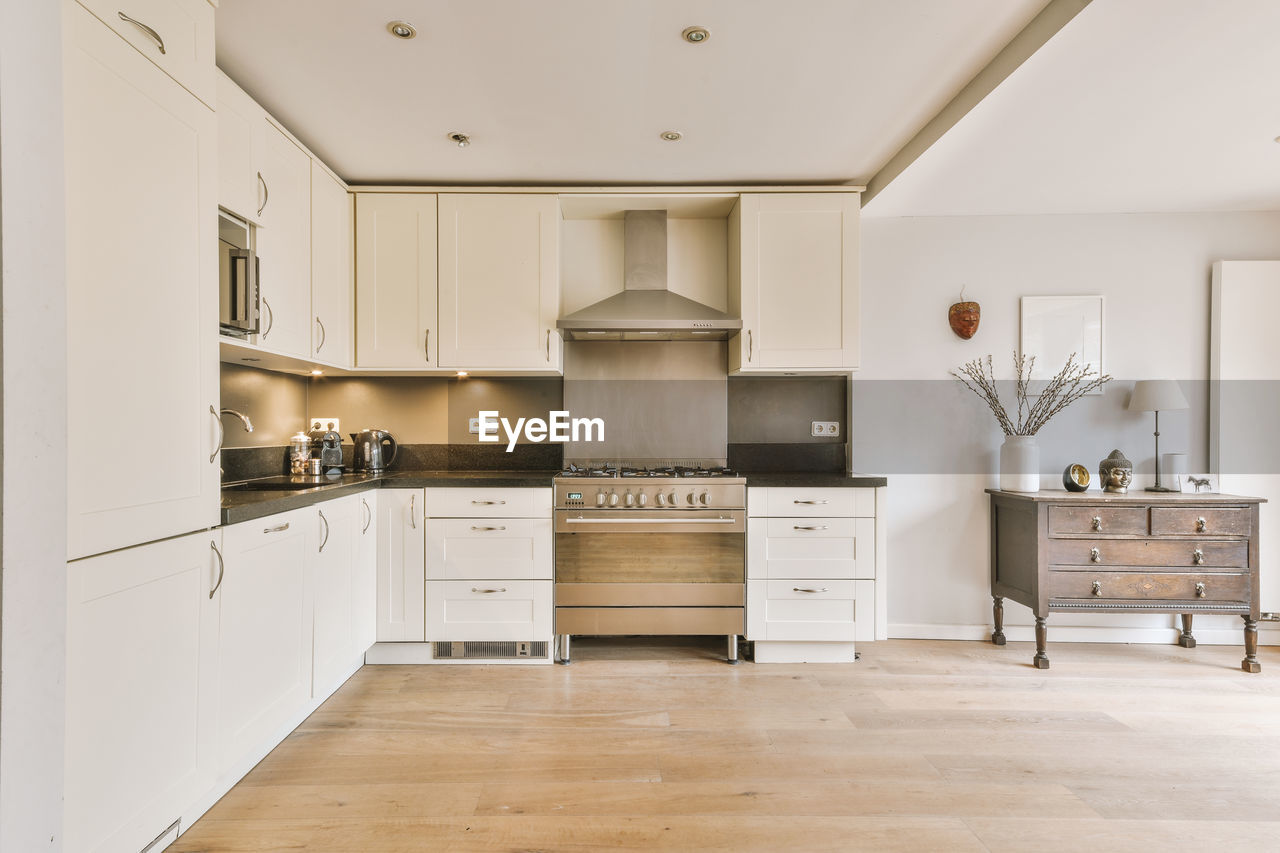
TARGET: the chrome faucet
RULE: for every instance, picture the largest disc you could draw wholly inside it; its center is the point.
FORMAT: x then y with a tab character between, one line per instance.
244	419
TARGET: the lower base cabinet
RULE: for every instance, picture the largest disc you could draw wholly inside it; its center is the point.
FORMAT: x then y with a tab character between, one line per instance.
401	548
142	653
489	611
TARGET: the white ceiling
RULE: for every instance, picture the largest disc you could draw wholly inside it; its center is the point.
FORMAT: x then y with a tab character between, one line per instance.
1134	106
577	91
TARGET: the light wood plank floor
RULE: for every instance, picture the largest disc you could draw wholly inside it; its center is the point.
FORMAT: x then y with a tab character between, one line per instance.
937	746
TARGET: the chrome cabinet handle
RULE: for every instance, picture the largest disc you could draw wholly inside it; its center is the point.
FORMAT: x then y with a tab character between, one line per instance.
1097	588
812	503
750	345
413	516
802	589
271	318
1197	557
222	434
489	503
1097	522
222	568
488	591
280	528
809	526
498	527
1095	556
323	336
1201	591
1201	525
368	516
154	35
548	345
266	194
325	540
426	345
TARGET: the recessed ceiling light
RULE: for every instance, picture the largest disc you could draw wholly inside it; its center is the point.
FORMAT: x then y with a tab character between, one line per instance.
402	29
462	139
672	135
462	374
696	35
317	372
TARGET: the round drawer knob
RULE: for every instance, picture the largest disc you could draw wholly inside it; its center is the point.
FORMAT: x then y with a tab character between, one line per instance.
1197	557
1201	592
1097	522
1201	525
1097	588
1095	556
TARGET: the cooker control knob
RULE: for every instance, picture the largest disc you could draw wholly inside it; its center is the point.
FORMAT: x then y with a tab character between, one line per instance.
631	499
662	499
689	497
613	499
705	499
643	499
672	498
599	497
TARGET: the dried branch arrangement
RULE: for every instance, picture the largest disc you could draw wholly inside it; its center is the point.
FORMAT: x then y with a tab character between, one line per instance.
1071	383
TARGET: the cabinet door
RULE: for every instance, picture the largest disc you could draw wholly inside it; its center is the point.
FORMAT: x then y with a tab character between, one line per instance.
401	566
333	555
488	548
242	130
284	245
499	281
799	281
141	670
177	35
396	280
264	666
364	576
331	274
491	611
142	291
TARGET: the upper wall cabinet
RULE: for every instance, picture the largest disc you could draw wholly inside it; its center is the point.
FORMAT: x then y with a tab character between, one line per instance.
796	266
242	131
142	291
396	280
331	273
175	35
284	246
499	281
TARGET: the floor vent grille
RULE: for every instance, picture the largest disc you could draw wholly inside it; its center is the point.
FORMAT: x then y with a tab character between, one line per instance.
477	650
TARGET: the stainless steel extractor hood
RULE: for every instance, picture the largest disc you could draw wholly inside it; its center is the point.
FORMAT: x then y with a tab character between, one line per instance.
646	310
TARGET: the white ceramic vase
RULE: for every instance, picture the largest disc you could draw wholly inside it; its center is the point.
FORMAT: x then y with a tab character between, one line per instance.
1020	464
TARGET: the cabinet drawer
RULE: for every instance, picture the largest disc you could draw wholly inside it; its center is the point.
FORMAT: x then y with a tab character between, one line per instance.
1148	552
821	502
815	610
477	548
1157	586
1105	520
488	503
1190	521
186	28
503	610
812	548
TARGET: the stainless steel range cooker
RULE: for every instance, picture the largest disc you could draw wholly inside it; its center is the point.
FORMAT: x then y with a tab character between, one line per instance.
650	551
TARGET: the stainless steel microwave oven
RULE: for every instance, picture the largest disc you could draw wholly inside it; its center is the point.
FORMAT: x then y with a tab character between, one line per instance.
237	278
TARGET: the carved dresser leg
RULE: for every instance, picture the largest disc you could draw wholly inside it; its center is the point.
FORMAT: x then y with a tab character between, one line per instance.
1186	640
1041	660
997	613
1250	662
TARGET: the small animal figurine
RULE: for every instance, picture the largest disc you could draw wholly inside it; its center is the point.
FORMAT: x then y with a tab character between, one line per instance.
1200	484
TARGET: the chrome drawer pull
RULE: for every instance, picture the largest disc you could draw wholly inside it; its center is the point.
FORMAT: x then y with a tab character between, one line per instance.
489	503
1197	557
154	35
368	517
278	529
222	568
1201	592
1095	556
1201	525
1097	522
488	591
813	503
413	515
498	527
1097	588
809	527
801	589
325	540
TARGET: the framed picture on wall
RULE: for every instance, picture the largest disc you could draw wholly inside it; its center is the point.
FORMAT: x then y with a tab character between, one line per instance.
1054	327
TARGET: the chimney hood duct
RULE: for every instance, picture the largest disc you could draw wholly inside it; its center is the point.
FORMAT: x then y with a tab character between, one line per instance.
645	310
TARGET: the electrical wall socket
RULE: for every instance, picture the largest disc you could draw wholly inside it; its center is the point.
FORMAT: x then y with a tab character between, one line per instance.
826	429
325	423
473	426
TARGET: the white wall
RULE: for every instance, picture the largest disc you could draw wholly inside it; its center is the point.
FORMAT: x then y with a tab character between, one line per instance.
1154	270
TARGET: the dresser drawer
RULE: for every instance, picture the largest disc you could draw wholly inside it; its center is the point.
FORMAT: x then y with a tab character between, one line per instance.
1104	520
1203	521
466	502
1148	552
1143	586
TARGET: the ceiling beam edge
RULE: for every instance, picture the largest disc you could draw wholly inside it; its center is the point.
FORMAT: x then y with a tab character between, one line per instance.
1044	26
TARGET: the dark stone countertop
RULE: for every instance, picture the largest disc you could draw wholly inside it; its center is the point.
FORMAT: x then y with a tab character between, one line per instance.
814	480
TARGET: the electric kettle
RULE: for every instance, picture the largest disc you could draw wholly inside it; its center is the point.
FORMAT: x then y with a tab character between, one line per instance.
369	453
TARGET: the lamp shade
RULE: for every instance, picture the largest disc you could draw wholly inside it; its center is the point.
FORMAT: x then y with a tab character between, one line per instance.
1157	395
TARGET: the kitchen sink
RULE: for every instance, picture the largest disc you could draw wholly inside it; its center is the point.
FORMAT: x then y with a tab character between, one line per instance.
279	485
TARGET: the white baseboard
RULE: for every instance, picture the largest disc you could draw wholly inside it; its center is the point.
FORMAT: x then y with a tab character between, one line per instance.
1268	633
420	653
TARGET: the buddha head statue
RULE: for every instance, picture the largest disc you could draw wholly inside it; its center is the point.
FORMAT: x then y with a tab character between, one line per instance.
1116	473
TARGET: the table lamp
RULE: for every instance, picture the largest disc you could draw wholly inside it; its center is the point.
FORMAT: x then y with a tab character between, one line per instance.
1156	395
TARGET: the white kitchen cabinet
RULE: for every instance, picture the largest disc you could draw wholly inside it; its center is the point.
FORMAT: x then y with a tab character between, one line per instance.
142	289
794	278
175	35
142	637
267	605
332	285
508	611
482	548
364	576
332	553
499	281
401	565
396	280
242	140
284	246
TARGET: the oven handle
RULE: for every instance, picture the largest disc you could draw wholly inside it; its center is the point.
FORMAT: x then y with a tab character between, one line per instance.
651	520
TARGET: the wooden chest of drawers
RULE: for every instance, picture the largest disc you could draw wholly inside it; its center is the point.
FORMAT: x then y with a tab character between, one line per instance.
1144	551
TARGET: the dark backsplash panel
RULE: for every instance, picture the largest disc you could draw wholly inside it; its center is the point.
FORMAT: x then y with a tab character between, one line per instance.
251	463
756	458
